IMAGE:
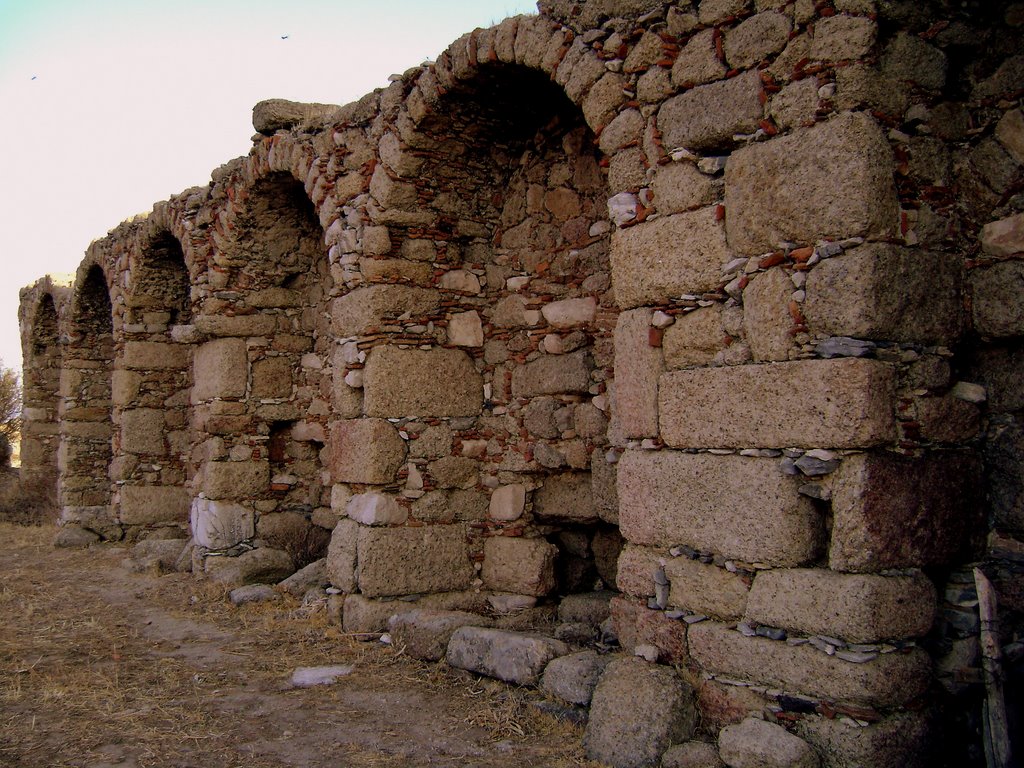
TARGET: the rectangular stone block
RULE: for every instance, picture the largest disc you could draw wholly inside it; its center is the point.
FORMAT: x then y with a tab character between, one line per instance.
831	181
150	504
552	375
341	555
424	633
236	479
519	565
236	325
272	377
365	451
739	507
903	740
884	292
567	498
997	308
888	680
842	403
854	607
143	431
705	588
637	368
668	256
515	657
891	511
418	382
412	561
154	355
707	117
372	306
637	564
221	524
221	369
636	624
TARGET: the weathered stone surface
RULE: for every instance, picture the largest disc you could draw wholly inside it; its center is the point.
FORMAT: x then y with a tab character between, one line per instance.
773	192
519	565
376	509
843	403
253	593
705	588
372	306
1004	237
74	537
996	291
637	368
756	38
417	382
706	118
767	322
410	561
842	37
220	524
635	624
507	502
1010	133
681	187
638	710
236	479
142	431
666	257
424	634
365	451
221	369
309	577
740	507
567	498
909	58
514	657
271	377
155	355
568	313
888	680
895	512
341	555
758	744
272	115
257	566
885	292
590	608
694	338
698	62
857	608
361	616
161	555
465	330
553	374
573	678
692	754
603	485
235	325
149	504
904	740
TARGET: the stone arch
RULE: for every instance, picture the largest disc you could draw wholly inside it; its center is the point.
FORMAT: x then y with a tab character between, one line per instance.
41	351
151	383
259	392
86	425
476	335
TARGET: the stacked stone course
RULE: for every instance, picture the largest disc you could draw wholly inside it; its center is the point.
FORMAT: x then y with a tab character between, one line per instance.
712	305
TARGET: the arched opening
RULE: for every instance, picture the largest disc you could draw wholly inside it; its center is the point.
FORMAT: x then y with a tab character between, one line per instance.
259	391
86	426
40	392
150	393
493	280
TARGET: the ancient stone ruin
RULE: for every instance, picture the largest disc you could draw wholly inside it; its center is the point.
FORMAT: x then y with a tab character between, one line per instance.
699	324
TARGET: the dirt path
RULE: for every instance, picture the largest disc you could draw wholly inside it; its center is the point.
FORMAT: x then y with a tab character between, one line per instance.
103	667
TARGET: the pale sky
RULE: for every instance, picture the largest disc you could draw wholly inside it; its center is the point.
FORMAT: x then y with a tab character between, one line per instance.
109	106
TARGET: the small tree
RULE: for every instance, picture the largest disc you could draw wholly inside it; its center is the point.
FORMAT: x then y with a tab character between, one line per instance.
10	411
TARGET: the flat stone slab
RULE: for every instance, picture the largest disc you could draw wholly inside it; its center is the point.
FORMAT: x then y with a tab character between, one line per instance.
515	657
424	634
307	578
253	593
73	537
758	744
306	677
638	711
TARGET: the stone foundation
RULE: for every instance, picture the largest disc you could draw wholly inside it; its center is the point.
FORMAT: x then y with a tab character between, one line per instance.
715	305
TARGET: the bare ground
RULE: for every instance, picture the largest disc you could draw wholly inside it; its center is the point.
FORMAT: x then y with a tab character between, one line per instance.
102	667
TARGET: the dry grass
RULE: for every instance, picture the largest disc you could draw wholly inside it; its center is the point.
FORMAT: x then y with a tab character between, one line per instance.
99	666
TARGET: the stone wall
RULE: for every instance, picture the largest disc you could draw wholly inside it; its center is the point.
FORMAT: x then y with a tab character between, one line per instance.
713	309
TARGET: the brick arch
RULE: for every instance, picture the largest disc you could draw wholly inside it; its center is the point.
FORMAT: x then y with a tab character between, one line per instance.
480	320
260	361
44	306
86	430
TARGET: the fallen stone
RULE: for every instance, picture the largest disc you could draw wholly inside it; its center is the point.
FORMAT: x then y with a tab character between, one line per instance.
573	678
758	744
424	634
590	608
692	754
514	657
257	566
253	593
638	710
74	537
519	565
159	554
904	740
306	677
310	577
